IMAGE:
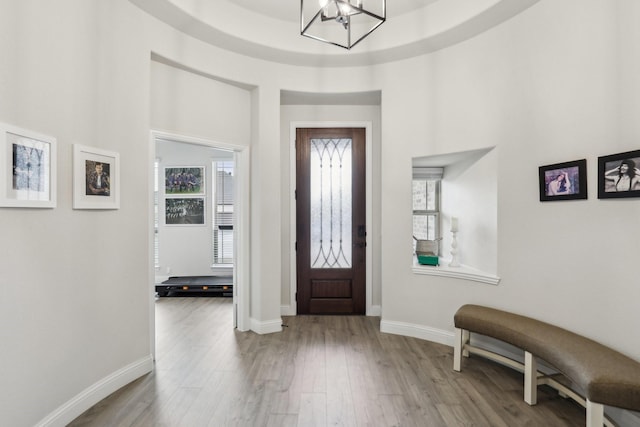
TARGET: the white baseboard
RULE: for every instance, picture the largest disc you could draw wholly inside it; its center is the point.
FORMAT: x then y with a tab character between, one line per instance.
287	310
375	310
96	392
268	327
417	331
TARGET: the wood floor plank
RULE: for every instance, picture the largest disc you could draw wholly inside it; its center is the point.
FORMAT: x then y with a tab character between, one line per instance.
319	371
313	410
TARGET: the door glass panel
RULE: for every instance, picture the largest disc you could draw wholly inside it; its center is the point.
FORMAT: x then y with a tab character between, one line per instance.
331	195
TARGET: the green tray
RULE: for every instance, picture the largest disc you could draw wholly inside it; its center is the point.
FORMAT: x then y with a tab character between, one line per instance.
427	259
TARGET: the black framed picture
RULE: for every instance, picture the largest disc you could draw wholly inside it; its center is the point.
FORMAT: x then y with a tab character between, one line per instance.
184	180
184	211
619	175
563	181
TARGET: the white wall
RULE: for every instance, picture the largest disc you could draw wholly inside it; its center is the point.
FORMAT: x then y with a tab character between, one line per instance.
470	193
186	103
74	284
543	88
556	83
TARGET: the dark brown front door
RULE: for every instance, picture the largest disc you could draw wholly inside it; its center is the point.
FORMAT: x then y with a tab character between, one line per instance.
330	216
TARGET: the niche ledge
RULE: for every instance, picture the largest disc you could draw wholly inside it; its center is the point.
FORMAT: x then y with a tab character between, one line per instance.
463	272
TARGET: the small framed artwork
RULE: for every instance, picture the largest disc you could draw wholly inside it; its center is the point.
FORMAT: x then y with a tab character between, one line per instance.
619	175
563	181
28	165
184	211
96	178
184	180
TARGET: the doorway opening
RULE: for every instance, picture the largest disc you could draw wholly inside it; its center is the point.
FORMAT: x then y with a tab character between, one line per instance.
199	221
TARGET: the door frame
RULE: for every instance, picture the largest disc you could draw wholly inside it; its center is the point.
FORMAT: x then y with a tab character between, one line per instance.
241	290
368	127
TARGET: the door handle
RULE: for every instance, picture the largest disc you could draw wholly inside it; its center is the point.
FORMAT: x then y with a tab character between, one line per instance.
360	245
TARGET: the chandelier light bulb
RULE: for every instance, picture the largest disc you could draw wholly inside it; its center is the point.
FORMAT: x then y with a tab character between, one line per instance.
349	15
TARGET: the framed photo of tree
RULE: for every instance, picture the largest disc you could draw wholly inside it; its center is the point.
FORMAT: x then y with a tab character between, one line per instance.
28	165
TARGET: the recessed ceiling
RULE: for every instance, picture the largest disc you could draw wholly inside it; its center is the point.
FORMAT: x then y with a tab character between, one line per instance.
289	10
270	29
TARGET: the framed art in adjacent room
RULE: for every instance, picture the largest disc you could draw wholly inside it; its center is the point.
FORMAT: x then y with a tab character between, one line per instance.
619	175
28	164
184	211
96	178
184	180
563	181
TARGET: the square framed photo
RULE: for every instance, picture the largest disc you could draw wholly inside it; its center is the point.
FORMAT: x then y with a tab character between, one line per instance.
619	175
563	181
184	180
28	164
96	178
184	211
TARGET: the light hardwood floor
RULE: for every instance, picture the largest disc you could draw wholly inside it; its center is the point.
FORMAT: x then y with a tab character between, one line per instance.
320	371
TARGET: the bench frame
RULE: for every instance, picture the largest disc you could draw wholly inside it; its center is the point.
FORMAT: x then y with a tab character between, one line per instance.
532	377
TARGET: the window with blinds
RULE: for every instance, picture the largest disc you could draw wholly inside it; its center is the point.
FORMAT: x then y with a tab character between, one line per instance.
222	218
426	203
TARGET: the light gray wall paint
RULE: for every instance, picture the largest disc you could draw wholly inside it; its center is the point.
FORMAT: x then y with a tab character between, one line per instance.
74	283
556	83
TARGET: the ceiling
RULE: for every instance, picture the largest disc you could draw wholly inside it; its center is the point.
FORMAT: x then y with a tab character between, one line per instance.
270	29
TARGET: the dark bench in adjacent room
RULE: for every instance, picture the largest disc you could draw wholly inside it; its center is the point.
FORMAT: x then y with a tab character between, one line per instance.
218	285
600	375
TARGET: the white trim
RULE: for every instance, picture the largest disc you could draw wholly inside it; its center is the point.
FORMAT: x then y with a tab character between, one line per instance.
418	331
93	394
242	257
374	310
268	327
287	310
463	272
368	126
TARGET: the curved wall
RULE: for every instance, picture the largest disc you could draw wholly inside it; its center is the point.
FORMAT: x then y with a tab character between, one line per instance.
556	83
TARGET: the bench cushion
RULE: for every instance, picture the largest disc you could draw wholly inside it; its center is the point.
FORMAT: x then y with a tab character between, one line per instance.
605	375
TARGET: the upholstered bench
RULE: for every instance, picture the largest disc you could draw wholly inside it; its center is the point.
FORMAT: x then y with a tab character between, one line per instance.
600	374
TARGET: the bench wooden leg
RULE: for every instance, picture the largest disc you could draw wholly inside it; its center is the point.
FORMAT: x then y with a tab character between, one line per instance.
595	414
466	337
461	338
530	379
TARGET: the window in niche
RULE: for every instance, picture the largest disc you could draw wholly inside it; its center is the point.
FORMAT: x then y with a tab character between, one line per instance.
426	203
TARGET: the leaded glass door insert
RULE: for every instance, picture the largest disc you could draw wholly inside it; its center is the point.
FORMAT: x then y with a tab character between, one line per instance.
331	212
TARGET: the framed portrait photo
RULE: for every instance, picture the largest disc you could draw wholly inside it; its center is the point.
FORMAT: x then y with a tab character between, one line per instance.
96	178
28	165
619	175
563	181
184	211
184	180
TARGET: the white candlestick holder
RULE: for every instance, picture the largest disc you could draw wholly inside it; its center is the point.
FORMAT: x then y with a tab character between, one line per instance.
454	250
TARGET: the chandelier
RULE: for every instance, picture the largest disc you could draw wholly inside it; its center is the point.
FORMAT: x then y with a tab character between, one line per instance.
343	23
